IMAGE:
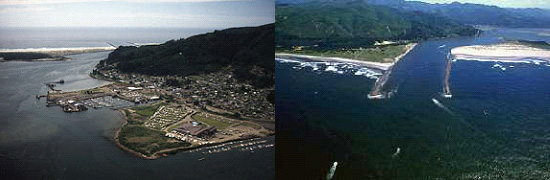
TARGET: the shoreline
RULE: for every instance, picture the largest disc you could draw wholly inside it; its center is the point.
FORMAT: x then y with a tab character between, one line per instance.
374	65
500	52
165	151
57	54
161	153
117	142
375	93
59	51
368	64
38	60
505	52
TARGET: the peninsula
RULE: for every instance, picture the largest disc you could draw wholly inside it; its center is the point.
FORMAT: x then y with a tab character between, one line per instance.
512	51
202	91
380	57
47	54
509	51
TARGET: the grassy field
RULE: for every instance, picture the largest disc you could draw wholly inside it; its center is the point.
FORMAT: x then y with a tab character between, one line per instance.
377	54
147	111
134	119
92	91
255	126
147	141
210	121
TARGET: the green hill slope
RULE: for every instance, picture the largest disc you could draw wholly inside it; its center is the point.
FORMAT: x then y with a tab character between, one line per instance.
249	51
357	24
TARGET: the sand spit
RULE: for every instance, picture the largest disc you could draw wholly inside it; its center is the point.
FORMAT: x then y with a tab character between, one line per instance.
500	52
369	64
376	92
374	65
59	51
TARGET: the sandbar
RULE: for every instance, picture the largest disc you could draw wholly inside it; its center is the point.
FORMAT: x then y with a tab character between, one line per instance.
509	52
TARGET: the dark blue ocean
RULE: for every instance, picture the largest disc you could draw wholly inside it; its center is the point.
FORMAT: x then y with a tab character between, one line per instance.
497	125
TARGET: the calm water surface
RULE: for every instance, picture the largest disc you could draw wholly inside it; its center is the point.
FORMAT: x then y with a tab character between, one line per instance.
39	142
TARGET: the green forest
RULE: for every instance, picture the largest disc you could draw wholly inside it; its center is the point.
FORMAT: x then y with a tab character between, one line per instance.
243	49
330	25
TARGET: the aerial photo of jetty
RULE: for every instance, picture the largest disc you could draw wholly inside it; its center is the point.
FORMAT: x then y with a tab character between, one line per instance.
412	89
137	90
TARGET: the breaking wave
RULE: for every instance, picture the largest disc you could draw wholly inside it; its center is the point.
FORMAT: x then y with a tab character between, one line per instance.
333	67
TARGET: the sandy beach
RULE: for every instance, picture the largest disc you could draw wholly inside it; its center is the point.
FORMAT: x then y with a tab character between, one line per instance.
500	52
374	65
59	51
376	92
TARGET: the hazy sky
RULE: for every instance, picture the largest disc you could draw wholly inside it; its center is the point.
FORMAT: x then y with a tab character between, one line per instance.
136	13
501	3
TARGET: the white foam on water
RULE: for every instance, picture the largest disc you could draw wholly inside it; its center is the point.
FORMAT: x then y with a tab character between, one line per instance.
335	67
367	73
331	68
332	170
439	104
282	60
315	68
396	152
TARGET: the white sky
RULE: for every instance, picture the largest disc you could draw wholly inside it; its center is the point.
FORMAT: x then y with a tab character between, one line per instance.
501	3
136	13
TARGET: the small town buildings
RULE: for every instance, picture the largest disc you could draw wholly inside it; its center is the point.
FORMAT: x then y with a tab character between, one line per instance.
196	129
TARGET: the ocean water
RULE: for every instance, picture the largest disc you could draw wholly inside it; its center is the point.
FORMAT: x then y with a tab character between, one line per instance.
496	126
73	37
39	142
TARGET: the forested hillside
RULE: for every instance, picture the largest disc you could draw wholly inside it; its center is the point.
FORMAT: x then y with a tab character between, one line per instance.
249	51
350	24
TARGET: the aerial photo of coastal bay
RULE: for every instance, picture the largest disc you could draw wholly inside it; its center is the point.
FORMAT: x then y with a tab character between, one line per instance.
412	89
137	89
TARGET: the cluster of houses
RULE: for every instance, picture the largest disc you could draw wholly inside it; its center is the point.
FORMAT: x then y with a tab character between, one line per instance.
166	116
220	90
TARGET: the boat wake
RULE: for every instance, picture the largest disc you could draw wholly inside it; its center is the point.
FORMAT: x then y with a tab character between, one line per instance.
396	153
440	105
330	173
